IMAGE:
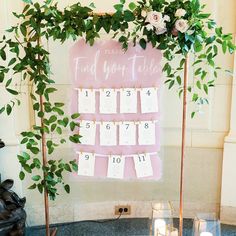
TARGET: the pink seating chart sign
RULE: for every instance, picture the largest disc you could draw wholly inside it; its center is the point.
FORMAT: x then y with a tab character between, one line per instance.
116	94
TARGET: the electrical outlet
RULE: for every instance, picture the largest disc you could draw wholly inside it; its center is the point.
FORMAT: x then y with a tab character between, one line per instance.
123	210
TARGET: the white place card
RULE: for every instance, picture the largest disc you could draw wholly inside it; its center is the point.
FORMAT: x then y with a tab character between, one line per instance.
128	100
86	164
108	136
108	101
127	133
143	165
146	133
149	100
86	101
116	167
88	132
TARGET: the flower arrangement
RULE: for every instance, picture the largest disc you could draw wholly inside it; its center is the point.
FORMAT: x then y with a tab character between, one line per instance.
176	27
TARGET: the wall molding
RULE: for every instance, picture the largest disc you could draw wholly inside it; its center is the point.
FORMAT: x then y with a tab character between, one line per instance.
62	213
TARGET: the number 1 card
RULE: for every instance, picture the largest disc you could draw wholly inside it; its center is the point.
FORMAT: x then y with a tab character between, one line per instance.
86	101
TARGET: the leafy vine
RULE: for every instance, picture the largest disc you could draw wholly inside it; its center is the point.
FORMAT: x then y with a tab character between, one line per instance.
177	28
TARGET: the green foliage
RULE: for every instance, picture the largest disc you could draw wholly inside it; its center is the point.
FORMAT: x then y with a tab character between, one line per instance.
30	59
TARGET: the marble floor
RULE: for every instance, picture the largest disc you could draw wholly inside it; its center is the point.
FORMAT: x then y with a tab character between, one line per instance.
121	227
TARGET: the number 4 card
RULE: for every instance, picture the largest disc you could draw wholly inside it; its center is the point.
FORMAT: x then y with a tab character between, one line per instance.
116	167
149	100
143	165
86	164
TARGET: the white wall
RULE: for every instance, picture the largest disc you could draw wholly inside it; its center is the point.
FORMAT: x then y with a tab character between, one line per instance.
205	139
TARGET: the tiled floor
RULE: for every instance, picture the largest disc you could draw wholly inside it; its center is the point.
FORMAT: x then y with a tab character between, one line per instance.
121	227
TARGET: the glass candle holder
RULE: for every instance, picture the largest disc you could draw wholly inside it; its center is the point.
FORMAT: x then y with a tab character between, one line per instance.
162	220
206	225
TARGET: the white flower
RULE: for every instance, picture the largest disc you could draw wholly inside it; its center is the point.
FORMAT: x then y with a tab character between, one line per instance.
161	28
180	12
161	31
154	18
143	13
149	27
190	32
166	18
181	25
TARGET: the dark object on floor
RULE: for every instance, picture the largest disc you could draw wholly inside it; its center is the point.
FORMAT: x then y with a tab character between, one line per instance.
12	214
2	144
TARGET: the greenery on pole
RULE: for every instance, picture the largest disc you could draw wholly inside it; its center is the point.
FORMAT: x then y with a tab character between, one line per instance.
176	28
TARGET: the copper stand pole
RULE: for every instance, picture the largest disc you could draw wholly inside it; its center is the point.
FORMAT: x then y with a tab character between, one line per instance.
183	146
44	154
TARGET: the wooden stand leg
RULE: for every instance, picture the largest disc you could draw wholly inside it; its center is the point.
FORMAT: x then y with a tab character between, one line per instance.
183	146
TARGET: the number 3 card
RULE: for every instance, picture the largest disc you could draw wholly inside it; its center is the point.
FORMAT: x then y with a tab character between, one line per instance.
147	133
108	104
86	101
86	164
116	167
128	100
149	100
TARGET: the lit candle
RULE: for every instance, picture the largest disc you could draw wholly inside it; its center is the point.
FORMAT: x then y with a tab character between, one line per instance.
160	227
206	234
174	233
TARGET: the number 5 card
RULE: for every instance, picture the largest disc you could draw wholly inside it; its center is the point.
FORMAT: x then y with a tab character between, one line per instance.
88	132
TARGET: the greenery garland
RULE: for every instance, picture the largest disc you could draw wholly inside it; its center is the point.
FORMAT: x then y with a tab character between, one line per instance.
176	27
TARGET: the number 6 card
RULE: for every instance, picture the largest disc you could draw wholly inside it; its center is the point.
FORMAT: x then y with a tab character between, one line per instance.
108	134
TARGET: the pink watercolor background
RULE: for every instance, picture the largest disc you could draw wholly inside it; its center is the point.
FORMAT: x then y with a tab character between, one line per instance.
106	65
